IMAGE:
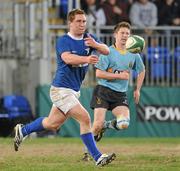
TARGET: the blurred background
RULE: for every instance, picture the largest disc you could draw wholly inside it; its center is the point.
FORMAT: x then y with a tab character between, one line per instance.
28	32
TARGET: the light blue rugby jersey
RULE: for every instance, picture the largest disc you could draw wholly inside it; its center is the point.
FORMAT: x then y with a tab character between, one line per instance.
119	61
70	76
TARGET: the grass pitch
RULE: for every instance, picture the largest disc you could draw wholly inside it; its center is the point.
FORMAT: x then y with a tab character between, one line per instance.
64	154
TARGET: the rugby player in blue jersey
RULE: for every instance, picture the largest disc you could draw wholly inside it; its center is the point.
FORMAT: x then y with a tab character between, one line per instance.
73	57
112	72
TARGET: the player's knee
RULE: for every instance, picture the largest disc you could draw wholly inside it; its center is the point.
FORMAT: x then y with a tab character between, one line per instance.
122	123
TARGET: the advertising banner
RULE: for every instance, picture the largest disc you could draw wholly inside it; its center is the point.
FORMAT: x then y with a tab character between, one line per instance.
157	114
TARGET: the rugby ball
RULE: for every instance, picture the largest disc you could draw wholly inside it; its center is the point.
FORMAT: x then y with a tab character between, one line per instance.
135	44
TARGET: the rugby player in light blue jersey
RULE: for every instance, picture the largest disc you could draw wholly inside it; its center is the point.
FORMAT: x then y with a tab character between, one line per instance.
112	72
73	57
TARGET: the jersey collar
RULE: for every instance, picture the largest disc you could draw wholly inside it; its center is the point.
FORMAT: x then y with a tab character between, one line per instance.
73	37
122	52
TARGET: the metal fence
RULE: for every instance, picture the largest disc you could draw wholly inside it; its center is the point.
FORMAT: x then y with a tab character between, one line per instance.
161	55
34	38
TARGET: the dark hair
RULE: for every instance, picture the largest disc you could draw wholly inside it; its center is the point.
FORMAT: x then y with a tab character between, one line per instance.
73	13
122	24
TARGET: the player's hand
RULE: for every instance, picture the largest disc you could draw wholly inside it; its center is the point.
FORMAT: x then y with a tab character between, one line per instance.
136	96
92	59
124	75
89	41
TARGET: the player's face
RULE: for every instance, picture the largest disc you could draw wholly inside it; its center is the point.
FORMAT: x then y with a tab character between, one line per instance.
122	35
78	25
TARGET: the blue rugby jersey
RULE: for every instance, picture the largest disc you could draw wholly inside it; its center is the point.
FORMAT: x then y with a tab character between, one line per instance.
70	76
118	61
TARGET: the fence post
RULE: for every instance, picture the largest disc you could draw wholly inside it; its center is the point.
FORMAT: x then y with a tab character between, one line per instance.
45	29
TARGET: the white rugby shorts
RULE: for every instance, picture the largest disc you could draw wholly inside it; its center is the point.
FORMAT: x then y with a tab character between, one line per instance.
64	98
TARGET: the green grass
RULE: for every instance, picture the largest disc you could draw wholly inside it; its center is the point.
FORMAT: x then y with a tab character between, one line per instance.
133	154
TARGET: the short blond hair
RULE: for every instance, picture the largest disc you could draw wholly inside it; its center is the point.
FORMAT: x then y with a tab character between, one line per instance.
120	25
73	13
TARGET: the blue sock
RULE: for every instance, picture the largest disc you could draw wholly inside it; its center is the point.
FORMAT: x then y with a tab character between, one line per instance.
35	126
88	140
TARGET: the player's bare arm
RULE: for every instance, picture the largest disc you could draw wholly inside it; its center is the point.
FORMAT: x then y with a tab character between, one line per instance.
139	83
102	48
124	75
73	59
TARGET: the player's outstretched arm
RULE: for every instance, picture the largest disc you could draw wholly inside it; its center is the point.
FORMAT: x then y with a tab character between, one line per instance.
100	47
73	59
124	75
